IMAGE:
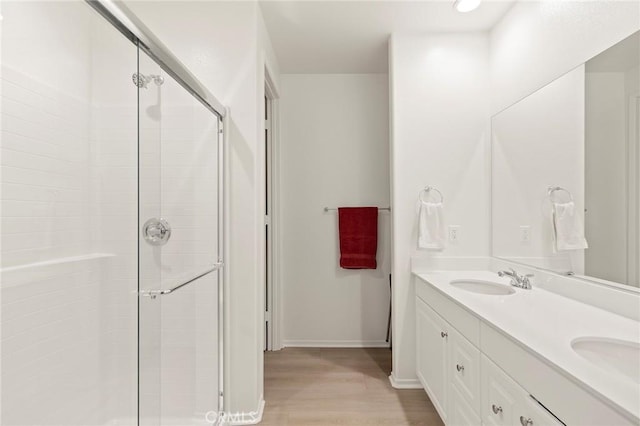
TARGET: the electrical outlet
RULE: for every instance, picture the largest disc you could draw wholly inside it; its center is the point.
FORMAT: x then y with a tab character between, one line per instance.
525	234
454	233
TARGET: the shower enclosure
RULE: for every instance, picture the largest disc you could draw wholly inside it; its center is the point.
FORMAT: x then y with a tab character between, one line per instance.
111	223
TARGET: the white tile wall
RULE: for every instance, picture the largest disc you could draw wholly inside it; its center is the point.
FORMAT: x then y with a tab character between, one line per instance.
50	323
69	217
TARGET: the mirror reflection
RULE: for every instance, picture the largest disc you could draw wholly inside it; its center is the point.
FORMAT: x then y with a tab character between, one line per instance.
565	171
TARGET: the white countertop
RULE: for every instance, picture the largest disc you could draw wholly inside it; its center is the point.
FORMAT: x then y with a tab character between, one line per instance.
546	323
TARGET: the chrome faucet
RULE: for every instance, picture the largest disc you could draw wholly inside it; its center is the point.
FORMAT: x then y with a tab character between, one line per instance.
517	280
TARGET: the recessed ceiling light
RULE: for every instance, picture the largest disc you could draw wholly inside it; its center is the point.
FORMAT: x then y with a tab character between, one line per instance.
466	5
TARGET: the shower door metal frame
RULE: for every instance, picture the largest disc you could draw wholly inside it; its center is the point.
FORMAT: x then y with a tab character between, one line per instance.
116	13
131	27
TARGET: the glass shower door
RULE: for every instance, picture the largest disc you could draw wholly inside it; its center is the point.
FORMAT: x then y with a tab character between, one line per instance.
178	252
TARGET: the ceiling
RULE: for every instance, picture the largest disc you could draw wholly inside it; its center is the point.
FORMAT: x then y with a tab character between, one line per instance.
343	36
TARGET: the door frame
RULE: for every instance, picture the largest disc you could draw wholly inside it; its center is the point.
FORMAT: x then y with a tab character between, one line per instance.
633	187
272	292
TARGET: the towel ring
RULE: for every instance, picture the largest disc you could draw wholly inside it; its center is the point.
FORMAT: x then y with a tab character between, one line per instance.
428	189
553	189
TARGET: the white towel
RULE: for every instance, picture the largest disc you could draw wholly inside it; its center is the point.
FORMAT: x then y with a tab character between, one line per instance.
431	226
568	232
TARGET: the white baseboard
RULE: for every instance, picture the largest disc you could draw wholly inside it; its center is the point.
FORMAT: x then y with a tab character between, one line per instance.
252	418
335	344
404	383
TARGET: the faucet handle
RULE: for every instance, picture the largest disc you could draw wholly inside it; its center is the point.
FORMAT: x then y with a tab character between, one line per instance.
517	276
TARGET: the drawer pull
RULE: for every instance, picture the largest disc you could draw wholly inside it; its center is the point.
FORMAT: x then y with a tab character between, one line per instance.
460	368
525	422
495	409
443	334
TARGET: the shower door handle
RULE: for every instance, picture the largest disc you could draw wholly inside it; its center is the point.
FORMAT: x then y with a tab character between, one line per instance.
156	231
154	293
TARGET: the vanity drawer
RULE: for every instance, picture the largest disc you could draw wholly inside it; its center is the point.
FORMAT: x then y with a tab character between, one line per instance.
456	315
527	412
465	369
505	402
498	395
461	412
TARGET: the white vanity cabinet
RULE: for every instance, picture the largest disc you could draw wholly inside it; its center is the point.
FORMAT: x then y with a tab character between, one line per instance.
504	402
465	369
484	361
461	411
433	359
448	366
464	385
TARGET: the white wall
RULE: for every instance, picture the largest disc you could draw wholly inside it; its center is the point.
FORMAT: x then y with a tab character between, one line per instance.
1	224
227	47
439	107
537	143
334	152
538	41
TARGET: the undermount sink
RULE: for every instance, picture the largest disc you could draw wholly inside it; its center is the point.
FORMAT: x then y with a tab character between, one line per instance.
620	357
483	287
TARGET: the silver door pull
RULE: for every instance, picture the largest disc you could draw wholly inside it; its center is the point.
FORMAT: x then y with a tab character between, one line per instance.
525	422
495	409
154	293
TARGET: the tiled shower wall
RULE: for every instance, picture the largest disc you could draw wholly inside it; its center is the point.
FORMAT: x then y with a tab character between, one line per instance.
69	217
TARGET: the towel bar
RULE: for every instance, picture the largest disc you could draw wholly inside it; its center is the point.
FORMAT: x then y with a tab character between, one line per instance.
328	209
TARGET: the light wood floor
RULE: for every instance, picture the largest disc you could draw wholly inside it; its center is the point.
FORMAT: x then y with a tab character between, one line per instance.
339	387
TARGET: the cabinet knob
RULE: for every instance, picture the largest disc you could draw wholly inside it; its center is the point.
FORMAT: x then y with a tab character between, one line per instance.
460	368
525	422
496	409
443	334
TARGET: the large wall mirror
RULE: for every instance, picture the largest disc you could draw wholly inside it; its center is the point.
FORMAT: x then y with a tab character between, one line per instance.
566	172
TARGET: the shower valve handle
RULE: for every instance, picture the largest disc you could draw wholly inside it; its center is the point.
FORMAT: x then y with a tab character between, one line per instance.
156	231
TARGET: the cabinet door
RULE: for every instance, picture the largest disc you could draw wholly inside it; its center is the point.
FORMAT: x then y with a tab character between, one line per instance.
527	412
465	368
432	358
499	393
461	412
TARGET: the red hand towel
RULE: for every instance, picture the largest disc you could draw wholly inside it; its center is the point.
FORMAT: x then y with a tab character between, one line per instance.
358	237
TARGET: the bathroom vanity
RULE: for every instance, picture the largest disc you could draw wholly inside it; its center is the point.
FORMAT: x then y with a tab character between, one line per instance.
492	354
567	350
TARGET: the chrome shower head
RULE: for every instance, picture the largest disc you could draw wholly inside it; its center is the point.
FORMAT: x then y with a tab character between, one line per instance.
141	81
